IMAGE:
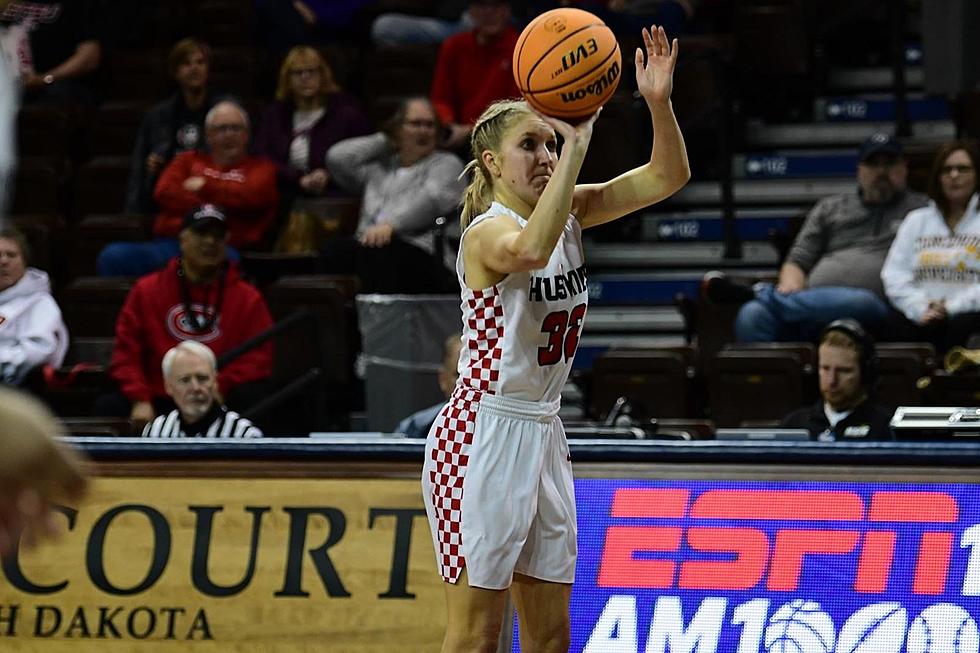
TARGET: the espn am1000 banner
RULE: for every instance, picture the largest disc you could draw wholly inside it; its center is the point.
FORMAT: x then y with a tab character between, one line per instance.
776	567
263	565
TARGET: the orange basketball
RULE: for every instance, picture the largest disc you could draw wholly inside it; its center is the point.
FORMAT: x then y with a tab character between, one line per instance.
567	63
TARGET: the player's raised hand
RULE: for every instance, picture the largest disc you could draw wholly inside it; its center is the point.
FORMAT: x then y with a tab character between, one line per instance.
655	70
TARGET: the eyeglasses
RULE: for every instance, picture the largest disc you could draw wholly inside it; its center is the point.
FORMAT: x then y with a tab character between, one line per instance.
227	129
960	169
301	72
421	124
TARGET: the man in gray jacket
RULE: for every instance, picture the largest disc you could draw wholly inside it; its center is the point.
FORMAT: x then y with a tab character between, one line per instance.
833	269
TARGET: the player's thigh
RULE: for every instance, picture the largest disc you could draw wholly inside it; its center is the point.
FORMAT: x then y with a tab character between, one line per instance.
542	612
474	614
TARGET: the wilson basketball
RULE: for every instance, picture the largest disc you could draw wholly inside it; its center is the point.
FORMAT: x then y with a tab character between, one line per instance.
567	63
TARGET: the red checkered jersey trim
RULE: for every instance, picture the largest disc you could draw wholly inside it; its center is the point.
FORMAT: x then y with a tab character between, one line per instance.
450	456
484	337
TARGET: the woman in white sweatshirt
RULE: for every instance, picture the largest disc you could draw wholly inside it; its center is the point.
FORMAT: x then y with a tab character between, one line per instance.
32	332
932	271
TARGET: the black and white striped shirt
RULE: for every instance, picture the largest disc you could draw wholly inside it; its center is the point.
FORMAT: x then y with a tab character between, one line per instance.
223	423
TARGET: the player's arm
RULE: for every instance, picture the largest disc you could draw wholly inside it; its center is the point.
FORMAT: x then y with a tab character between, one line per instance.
668	169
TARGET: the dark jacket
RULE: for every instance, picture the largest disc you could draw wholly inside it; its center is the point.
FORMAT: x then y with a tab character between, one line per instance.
867	422
156	134
342	118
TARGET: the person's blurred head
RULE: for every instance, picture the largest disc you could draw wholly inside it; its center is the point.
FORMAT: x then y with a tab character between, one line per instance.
839	364
188	63
227	130
190	377
414	129
491	134
490	17
953	177
202	241
449	371
305	75
13	256
882	171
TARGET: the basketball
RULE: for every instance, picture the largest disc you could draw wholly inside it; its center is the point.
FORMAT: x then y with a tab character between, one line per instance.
567	63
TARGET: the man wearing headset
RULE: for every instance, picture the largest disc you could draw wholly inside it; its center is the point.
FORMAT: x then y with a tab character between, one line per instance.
848	368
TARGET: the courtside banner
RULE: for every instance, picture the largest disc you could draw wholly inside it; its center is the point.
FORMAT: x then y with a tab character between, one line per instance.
218	564
776	567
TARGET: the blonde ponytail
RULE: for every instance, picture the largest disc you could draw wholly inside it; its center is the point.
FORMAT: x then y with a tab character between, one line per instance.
488	134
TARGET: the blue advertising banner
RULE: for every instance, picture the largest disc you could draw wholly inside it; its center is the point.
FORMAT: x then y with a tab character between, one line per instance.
776	567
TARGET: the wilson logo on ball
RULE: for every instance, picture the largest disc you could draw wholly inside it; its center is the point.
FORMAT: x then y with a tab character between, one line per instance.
598	87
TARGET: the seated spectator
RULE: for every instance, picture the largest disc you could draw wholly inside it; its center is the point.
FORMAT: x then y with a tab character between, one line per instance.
932	272
32	332
56	46
473	69
450	17
286	24
310	114
190	377
833	268
405	185
243	186
627	17
848	369
417	424
198	296
173	126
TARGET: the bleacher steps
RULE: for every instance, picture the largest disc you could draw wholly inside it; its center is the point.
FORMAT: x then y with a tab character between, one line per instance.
832	134
677	255
762	191
867	78
634	319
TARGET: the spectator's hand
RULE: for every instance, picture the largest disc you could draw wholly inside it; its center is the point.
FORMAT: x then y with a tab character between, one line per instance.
789	286
457	136
315	181
655	78
305	12
154	163
142	412
935	313
194	184
377	236
31	80
36	471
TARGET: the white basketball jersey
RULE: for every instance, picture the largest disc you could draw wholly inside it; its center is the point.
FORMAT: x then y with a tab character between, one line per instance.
520	336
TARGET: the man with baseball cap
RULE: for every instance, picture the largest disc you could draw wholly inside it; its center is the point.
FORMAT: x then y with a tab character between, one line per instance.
833	268
198	296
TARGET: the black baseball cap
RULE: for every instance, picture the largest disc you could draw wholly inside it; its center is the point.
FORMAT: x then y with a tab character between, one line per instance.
204	217
879	143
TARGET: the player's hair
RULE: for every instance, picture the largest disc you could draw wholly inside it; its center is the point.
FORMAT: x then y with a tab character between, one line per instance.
488	134
304	55
10	232
209	118
182	51
190	347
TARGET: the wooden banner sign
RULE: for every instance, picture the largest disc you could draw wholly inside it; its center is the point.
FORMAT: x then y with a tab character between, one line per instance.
218	564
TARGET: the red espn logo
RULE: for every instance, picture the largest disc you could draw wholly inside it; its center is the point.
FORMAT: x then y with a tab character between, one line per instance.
779	560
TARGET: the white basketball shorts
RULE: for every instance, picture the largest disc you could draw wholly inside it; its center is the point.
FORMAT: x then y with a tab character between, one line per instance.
497	484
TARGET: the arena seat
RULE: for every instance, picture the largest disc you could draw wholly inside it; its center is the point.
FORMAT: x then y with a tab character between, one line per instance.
656	382
265	267
100	186
42	131
757	383
37	188
93	232
901	365
136	75
234	71
115	127
90	305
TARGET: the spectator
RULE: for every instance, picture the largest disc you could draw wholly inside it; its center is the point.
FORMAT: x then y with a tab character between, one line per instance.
932	272
310	114
626	17
288	23
198	296
405	185
833	269
190	377
450	17
56	46
417	424
175	125
242	185
32	332
473	69
848	370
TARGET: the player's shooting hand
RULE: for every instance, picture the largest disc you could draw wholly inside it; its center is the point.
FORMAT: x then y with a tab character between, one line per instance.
655	76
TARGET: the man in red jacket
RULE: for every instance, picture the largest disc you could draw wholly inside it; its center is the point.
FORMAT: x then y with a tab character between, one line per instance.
243	186
198	296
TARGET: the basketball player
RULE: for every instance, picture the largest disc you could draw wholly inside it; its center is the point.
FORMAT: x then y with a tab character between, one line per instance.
497	476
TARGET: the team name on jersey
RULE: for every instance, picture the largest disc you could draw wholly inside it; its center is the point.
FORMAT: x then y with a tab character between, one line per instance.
559	286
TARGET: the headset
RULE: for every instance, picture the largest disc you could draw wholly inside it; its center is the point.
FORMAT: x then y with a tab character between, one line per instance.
869	355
